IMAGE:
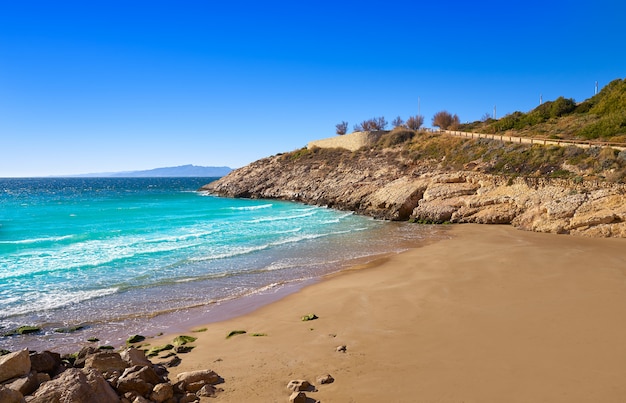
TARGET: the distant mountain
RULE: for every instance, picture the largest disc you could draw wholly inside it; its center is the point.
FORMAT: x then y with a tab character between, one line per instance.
180	171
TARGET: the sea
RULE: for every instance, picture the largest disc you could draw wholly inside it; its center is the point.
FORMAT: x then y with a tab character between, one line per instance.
107	258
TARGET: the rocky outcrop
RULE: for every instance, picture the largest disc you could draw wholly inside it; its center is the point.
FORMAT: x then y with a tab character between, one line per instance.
97	376
384	185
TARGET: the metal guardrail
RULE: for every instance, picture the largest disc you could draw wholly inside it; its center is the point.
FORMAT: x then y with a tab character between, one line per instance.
534	140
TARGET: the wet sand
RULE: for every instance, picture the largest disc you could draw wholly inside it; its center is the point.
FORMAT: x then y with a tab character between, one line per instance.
491	315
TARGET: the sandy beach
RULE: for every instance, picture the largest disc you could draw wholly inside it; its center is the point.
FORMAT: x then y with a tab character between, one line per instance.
491	315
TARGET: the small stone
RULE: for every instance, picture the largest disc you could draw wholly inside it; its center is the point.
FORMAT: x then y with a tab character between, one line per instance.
297	397
183	349
208	391
174	361
135	339
188	398
342	349
325	379
299	385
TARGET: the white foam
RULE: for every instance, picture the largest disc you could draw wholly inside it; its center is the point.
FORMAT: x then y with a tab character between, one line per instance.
309	213
37	240
247	208
43	302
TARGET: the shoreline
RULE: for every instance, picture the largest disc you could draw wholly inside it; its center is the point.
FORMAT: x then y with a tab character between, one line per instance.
491	314
116	332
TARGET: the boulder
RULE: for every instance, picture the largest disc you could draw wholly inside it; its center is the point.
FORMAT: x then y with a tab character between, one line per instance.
46	361
188	398
14	365
10	396
138	379
76	386
82	355
207	376
135	356
26	384
106	361
162	392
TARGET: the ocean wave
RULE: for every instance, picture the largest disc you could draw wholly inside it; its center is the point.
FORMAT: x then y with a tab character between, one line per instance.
230	253
85	255
37	240
308	213
45	302
249	208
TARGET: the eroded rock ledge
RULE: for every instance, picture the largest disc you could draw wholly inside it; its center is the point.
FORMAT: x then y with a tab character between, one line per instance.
384	185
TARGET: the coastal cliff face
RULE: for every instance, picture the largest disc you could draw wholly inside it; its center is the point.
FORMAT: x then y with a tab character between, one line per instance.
385	184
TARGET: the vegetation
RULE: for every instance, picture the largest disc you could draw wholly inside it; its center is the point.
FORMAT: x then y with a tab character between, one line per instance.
397	122
182	340
157	349
70	329
235	332
371	125
137	338
601	117
342	128
309	317
444	120
415	122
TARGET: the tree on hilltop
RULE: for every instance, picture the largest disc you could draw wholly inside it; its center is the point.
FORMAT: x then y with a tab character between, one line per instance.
371	125
415	122
397	122
342	128
444	120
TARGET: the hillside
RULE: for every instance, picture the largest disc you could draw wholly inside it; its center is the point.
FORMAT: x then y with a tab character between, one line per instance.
601	117
431	177
424	178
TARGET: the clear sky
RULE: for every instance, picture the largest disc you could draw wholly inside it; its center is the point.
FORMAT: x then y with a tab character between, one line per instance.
101	86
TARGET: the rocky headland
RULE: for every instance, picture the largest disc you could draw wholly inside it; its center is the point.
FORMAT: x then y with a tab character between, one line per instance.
392	182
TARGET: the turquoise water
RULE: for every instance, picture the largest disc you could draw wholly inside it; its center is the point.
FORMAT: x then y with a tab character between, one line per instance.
109	254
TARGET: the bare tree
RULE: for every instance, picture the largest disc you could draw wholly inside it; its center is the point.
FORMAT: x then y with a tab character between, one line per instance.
397	122
342	128
415	122
371	125
380	123
368	125
444	120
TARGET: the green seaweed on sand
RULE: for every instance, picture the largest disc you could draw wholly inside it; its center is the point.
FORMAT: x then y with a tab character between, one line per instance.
235	332
157	349
308	317
182	340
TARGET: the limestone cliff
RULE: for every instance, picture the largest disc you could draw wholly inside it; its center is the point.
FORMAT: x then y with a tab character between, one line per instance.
387	185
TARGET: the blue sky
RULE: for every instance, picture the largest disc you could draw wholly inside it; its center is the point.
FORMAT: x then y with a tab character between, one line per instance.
95	86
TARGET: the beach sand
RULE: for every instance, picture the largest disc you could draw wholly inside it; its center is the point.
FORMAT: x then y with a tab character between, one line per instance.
491	315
